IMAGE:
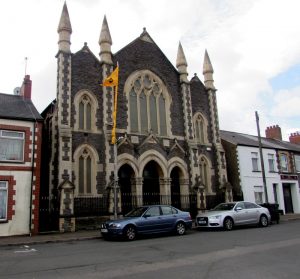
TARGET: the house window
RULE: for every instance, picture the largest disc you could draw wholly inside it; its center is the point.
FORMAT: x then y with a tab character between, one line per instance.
11	146
271	162
258	194
148	104
200	124
297	163
3	200
254	157
283	162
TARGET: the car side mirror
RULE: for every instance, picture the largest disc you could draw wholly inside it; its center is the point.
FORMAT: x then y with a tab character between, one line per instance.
147	215
238	208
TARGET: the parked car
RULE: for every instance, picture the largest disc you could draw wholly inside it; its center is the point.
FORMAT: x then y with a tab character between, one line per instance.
148	220
228	215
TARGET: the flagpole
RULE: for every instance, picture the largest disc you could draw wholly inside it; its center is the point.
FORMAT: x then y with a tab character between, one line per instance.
114	141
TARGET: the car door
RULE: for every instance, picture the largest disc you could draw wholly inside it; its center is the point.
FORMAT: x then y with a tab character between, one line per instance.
253	213
169	217
240	214
151	221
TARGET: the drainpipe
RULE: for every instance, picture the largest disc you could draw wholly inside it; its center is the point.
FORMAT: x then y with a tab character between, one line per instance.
32	174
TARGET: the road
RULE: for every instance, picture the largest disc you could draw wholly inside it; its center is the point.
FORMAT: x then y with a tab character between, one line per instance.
272	252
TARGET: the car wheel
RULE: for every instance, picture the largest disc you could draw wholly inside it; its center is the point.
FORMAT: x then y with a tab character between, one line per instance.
129	233
228	224
180	228
263	221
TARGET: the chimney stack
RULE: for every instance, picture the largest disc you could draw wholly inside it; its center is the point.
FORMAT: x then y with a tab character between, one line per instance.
273	132
26	87
295	137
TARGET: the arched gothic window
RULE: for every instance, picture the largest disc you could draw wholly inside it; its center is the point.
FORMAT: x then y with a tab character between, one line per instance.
85	106
200	124
85	172
148	103
205	173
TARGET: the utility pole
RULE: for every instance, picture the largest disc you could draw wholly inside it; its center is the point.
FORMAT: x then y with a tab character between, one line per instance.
261	157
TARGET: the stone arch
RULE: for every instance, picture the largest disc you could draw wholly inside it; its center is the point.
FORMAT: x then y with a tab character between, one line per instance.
179	182
85	168
200	128
91	99
148	103
152	155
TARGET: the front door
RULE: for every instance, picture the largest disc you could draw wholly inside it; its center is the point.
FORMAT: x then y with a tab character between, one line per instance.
287	195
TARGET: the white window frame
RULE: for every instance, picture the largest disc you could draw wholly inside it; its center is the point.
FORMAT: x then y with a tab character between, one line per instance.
3	206
258	192
255	161
271	162
7	136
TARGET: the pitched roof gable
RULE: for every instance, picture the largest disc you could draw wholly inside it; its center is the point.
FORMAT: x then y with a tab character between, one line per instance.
16	107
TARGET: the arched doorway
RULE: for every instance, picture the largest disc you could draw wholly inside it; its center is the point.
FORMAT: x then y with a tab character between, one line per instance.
175	187
125	175
151	192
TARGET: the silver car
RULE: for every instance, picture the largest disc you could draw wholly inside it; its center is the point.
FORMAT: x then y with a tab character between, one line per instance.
228	215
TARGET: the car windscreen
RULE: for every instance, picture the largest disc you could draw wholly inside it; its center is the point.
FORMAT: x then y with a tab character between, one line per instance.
136	212
224	206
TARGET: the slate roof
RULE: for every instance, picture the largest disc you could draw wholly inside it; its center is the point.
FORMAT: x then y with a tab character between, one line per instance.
16	107
250	140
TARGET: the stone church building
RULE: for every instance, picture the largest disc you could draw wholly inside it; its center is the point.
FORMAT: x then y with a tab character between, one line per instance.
168	146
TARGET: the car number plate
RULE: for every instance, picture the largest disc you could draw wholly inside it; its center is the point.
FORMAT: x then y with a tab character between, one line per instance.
201	222
104	230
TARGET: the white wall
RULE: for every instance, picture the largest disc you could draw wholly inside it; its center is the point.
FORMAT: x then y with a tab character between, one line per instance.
20	220
250	179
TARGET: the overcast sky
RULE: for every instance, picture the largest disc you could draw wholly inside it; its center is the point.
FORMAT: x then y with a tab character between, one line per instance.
254	47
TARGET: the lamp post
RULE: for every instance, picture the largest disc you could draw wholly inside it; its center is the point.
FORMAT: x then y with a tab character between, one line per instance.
115	180
261	157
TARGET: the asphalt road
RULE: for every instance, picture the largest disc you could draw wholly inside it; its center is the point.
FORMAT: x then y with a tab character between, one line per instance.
272	252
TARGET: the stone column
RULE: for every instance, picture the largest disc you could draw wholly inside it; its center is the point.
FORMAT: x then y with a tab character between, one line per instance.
184	193
165	190
137	191
66	212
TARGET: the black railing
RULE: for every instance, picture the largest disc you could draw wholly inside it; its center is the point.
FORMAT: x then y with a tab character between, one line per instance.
99	206
90	206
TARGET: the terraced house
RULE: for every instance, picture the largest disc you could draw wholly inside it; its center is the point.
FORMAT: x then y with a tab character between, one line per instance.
168	146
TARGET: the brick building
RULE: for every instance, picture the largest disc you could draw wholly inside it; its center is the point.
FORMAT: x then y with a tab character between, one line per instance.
168	146
20	161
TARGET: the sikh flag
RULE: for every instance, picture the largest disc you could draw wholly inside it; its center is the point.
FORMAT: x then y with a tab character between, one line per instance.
113	79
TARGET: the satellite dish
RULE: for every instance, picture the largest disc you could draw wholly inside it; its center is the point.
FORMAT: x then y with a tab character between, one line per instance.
17	91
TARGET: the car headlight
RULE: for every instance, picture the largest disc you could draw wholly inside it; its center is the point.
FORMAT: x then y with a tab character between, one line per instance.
115	225
216	217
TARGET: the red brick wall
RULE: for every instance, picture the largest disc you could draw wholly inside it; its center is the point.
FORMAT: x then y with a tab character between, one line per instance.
11	194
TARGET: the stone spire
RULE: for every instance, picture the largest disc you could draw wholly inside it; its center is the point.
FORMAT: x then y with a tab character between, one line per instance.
105	43
64	30
181	64
208	72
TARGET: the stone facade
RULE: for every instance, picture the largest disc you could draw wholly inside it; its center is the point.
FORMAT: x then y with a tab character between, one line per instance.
167	126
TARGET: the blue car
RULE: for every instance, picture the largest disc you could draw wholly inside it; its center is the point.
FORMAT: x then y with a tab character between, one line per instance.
148	220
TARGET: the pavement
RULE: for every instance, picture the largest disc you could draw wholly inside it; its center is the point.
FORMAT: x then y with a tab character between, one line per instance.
55	237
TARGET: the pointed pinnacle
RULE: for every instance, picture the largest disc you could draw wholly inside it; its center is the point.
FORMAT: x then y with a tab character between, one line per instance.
181	60
64	23
207	66
105	34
